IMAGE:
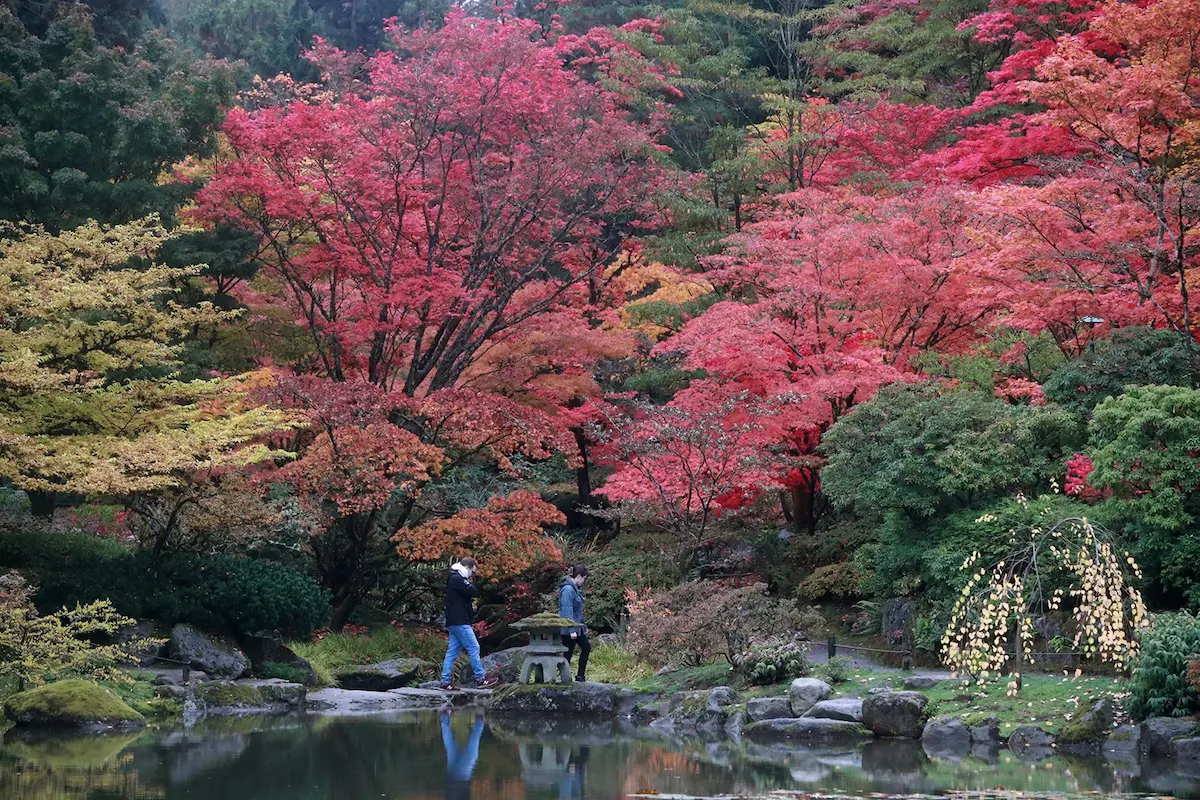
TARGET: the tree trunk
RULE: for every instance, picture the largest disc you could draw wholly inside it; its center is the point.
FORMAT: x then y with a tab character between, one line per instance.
42	504
583	477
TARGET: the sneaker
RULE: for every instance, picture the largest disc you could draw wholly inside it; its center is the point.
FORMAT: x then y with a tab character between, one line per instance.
487	682
448	687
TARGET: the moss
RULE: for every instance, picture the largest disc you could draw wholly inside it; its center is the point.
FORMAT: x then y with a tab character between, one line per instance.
230	695
1089	726
546	619
71	702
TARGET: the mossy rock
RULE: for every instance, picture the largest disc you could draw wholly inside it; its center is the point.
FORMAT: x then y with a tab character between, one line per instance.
594	700
1088	730
76	704
239	697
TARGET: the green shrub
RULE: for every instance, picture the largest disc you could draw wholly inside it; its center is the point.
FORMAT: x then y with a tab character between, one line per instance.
701	620
610	575
285	672
771	662
1160	681
836	670
230	593
612	663
836	581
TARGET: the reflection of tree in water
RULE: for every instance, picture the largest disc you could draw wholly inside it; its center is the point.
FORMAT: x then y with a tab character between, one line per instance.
75	768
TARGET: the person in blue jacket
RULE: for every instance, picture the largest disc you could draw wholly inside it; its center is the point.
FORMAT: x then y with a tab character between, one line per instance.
570	606
460	616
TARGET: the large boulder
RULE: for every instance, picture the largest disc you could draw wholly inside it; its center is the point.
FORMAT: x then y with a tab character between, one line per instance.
706	711
946	737
72	705
845	709
384	676
1158	733
215	655
899	715
575	699
269	656
824	731
1084	733
1031	743
804	693
505	664
919	682
763	708
1123	743
249	697
1186	753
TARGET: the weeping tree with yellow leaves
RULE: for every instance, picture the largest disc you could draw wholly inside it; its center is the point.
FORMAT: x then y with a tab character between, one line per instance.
1052	564
90	339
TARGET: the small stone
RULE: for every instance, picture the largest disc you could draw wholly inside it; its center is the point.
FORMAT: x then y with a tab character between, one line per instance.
804	693
1123	742
1085	733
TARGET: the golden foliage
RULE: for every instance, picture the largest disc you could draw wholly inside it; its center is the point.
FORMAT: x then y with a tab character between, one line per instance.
89	341
36	648
648	282
997	606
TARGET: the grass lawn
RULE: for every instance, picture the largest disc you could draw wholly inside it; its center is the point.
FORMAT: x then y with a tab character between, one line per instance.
339	650
1044	700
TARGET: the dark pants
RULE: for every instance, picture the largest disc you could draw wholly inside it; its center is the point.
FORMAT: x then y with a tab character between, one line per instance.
585	650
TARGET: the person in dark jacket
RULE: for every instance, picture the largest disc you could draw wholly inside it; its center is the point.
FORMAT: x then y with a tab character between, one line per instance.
460	616
570	606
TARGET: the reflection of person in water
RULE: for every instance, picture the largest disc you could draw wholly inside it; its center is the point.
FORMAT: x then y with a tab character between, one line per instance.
570	786
460	763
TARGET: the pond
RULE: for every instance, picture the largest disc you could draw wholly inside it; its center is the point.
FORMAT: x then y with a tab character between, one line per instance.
461	756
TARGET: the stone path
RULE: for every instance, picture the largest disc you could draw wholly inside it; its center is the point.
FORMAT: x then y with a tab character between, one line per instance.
350	701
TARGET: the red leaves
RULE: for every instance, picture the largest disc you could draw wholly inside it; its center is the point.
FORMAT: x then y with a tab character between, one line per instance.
360	469
505	537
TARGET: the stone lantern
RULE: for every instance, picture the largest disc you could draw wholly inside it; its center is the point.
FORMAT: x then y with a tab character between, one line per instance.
545	653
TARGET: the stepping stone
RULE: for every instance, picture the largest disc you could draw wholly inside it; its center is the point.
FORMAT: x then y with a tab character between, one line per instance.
845	709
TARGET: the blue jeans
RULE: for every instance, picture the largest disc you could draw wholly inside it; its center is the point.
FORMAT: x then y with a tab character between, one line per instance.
462	638
460	765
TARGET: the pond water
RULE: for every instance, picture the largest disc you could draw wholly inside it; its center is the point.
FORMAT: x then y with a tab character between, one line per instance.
460	757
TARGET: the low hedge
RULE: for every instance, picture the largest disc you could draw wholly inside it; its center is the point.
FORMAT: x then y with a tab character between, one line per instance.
229	593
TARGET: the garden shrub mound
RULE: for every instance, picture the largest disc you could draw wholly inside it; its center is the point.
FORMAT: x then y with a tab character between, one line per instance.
72	704
229	593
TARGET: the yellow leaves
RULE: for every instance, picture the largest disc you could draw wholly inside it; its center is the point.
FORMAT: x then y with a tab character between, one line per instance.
80	313
648	282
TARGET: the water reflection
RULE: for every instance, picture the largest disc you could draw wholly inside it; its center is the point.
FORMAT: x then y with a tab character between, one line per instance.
455	757
460	764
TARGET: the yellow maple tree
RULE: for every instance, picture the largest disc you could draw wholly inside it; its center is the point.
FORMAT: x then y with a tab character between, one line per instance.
90	339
